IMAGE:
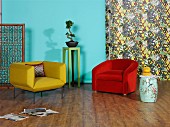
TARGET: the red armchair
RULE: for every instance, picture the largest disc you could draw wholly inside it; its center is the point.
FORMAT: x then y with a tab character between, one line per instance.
117	76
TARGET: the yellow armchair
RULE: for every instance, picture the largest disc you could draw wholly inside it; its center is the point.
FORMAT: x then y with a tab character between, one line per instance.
22	75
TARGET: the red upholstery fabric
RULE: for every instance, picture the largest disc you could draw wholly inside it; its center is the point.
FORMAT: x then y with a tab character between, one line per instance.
117	76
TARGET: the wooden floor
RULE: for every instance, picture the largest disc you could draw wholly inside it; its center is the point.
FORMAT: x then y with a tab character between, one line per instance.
82	107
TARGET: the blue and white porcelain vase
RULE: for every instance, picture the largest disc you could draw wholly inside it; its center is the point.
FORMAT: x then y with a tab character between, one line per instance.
148	88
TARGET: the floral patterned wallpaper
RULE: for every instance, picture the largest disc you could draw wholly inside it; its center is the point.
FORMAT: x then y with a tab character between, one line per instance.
140	30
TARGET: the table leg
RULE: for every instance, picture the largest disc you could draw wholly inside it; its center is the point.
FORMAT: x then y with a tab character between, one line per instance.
72	55
78	67
69	67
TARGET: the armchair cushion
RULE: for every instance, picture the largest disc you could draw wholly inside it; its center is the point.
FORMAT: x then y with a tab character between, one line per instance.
115	75
46	83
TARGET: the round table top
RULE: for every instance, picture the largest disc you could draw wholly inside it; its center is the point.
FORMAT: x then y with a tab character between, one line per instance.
151	76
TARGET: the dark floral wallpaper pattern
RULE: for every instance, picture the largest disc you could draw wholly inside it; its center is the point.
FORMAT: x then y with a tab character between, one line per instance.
140	30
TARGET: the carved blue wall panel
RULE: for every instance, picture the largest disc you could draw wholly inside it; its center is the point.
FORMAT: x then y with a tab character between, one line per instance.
11	48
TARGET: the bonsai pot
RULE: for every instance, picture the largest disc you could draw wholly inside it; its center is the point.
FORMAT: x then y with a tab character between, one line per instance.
72	43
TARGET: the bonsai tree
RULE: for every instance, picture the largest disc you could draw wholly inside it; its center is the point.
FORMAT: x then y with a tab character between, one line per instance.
69	34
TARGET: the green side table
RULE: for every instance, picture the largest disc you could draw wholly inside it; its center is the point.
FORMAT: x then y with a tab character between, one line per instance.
71	62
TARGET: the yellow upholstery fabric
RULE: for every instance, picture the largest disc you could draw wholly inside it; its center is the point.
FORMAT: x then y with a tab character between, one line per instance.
55	70
22	76
46	83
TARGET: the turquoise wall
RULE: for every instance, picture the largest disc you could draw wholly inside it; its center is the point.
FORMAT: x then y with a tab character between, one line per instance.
45	28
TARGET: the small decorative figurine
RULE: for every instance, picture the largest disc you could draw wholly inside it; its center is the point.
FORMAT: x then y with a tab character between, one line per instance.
146	71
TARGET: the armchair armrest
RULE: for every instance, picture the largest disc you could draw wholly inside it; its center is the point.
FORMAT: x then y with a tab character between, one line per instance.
106	65
130	69
22	75
55	70
130	74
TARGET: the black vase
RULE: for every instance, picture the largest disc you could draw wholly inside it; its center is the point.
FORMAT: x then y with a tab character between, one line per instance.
72	43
